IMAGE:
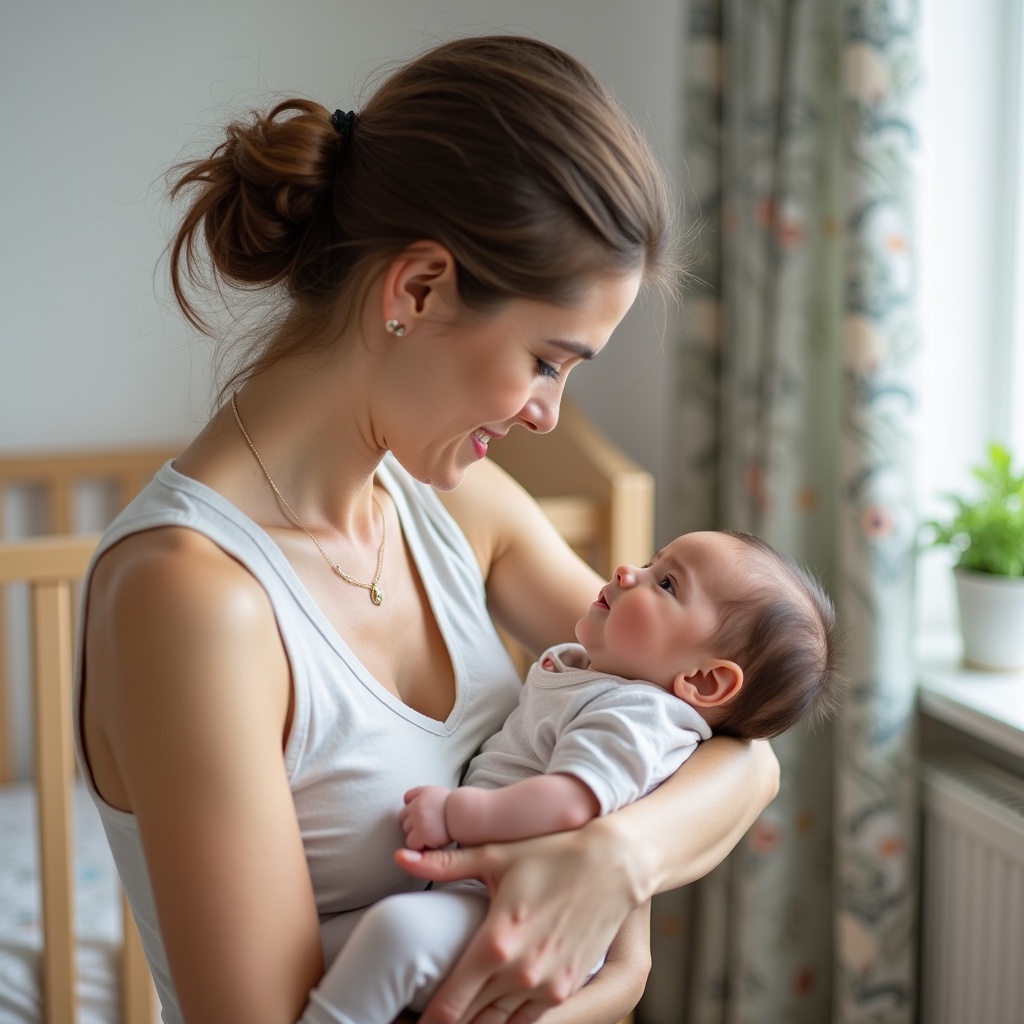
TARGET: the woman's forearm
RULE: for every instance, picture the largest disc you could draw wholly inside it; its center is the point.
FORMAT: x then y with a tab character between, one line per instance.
689	824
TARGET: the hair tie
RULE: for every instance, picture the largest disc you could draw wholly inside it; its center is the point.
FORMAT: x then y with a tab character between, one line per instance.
344	122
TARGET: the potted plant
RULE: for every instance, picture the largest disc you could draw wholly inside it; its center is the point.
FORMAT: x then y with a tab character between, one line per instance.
987	534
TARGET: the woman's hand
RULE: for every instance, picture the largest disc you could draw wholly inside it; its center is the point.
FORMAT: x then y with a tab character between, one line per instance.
557	903
614	991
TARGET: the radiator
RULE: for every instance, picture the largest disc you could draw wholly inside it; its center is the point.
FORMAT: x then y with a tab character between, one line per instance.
972	912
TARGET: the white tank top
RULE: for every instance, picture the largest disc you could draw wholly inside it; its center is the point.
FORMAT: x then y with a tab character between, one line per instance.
354	747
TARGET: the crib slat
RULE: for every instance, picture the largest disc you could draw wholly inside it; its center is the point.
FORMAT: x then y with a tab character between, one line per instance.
6	734
631	520
46	558
51	604
60	500
138	996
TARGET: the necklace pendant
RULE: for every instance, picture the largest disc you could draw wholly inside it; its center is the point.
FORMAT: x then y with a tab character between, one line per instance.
376	595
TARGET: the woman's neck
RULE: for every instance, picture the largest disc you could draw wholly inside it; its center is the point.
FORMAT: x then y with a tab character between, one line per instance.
312	427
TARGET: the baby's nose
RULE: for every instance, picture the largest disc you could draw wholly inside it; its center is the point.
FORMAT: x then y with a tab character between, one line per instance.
625	576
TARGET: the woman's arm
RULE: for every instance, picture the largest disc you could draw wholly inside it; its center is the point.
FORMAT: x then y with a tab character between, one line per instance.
186	707
694	819
537	586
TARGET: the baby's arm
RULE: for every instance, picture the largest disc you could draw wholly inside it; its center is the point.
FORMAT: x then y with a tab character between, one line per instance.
433	816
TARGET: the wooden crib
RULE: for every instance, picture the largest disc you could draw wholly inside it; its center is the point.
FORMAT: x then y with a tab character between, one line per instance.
51	566
600	500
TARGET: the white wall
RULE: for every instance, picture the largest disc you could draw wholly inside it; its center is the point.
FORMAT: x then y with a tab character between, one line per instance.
98	99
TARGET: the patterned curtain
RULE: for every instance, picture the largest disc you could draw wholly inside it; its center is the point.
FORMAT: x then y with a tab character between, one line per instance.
793	420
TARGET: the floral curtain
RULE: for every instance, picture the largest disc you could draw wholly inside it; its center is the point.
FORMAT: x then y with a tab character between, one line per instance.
794	420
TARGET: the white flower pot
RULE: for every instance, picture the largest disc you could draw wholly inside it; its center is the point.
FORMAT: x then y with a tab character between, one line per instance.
991	619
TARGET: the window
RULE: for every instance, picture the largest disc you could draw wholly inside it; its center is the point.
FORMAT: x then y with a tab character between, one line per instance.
971	245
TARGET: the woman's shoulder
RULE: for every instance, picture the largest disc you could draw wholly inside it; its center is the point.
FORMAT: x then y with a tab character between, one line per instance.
176	573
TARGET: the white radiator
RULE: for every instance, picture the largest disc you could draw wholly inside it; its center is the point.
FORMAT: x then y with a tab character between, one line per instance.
972	943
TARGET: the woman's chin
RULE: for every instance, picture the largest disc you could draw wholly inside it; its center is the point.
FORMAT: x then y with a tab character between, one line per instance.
442	476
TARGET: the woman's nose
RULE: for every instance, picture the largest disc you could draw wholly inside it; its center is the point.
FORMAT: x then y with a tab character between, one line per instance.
540	414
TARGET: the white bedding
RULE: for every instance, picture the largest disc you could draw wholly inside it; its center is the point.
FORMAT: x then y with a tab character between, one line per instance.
97	912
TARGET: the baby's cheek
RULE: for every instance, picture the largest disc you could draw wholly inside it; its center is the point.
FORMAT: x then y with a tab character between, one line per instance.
633	632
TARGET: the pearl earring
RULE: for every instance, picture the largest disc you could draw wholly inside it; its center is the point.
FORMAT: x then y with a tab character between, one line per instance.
395	328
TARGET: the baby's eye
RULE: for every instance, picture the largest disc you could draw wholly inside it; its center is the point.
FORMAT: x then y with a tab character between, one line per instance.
666	584
647	566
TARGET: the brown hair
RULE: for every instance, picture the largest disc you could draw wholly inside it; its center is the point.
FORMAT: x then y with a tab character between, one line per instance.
503	148
787	641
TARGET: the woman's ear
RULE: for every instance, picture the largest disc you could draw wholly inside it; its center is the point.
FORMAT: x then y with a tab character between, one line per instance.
420	281
708	687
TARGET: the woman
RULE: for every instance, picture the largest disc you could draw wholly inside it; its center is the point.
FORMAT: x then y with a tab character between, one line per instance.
293	624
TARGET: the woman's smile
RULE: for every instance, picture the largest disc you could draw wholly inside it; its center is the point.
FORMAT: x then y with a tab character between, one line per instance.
481	439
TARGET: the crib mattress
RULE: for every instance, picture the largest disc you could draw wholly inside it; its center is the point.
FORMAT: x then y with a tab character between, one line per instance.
97	912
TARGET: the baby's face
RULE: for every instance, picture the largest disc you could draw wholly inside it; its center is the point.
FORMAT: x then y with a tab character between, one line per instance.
654	622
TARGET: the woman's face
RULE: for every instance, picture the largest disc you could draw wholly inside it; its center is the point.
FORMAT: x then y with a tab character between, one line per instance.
467	383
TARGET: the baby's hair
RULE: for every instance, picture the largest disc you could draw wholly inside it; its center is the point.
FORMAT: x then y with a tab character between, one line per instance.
504	149
786	638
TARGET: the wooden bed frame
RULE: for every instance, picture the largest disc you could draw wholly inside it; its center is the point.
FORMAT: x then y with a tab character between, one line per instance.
600	500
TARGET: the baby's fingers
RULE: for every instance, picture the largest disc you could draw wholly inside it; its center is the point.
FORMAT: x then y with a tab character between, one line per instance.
414	838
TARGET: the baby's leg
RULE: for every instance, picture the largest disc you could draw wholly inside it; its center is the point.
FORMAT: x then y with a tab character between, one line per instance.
398	952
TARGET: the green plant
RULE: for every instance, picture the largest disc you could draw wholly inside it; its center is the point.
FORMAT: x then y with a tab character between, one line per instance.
988	532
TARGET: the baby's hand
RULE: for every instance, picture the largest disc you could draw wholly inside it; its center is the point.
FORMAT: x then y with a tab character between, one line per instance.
423	818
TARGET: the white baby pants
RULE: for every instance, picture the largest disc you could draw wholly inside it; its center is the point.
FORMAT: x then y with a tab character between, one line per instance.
397	952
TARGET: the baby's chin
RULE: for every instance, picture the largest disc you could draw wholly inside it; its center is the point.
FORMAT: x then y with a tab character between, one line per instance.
581	632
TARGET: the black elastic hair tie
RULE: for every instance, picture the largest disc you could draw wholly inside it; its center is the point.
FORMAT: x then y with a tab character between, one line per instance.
344	122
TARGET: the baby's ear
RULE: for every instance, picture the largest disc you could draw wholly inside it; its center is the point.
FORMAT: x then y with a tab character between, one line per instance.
709	686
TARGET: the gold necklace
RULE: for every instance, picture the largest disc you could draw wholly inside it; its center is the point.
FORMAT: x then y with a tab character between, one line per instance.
376	594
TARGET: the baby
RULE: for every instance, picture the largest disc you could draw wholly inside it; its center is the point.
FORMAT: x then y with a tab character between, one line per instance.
719	632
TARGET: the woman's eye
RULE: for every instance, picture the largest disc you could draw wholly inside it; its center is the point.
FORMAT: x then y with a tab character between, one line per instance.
666	584
547	370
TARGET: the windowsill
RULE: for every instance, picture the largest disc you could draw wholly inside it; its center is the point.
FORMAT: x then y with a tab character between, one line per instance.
988	706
